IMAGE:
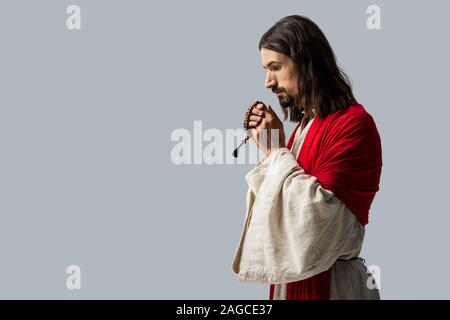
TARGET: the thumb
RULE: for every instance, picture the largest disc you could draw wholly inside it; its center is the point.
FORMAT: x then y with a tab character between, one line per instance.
269	108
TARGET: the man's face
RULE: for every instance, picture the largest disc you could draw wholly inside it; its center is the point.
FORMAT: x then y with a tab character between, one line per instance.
281	76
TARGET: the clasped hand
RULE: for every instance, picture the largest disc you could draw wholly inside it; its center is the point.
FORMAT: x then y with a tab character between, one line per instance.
266	126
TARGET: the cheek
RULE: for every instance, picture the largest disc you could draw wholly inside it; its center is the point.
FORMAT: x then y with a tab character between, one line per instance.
290	84
293	86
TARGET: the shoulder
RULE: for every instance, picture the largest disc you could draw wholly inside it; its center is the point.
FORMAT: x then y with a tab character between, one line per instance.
355	114
354	118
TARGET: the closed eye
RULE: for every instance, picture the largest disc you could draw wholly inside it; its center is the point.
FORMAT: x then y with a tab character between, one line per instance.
273	65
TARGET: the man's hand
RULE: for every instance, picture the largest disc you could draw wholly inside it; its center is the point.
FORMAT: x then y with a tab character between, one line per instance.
265	123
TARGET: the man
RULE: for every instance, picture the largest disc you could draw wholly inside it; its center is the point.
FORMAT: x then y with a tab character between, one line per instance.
308	200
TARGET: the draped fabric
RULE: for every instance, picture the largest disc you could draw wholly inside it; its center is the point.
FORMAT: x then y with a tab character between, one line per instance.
343	151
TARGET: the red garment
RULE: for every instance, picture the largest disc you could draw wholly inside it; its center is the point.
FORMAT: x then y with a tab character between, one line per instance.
314	288
343	151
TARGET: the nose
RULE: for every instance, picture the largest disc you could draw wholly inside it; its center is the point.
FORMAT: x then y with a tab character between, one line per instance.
270	80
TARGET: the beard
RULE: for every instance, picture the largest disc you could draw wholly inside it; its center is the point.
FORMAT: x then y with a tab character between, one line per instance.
289	106
286	101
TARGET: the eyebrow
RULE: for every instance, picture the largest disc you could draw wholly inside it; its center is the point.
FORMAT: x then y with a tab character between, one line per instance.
271	63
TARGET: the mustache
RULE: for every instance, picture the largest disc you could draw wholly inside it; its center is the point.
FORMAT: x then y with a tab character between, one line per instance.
289	100
278	90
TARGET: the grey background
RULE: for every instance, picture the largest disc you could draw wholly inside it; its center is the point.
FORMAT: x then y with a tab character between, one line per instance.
85	122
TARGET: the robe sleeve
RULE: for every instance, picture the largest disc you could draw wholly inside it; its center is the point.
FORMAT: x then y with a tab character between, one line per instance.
295	228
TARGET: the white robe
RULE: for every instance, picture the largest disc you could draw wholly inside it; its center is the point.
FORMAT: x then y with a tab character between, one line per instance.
295	229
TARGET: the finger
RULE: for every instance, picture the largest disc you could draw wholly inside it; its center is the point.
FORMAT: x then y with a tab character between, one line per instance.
257	112
255	118
269	109
253	124
260	106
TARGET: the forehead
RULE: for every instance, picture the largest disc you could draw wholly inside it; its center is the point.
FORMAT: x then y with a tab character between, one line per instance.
267	56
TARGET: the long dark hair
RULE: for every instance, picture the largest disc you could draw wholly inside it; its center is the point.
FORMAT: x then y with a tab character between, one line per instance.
322	84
